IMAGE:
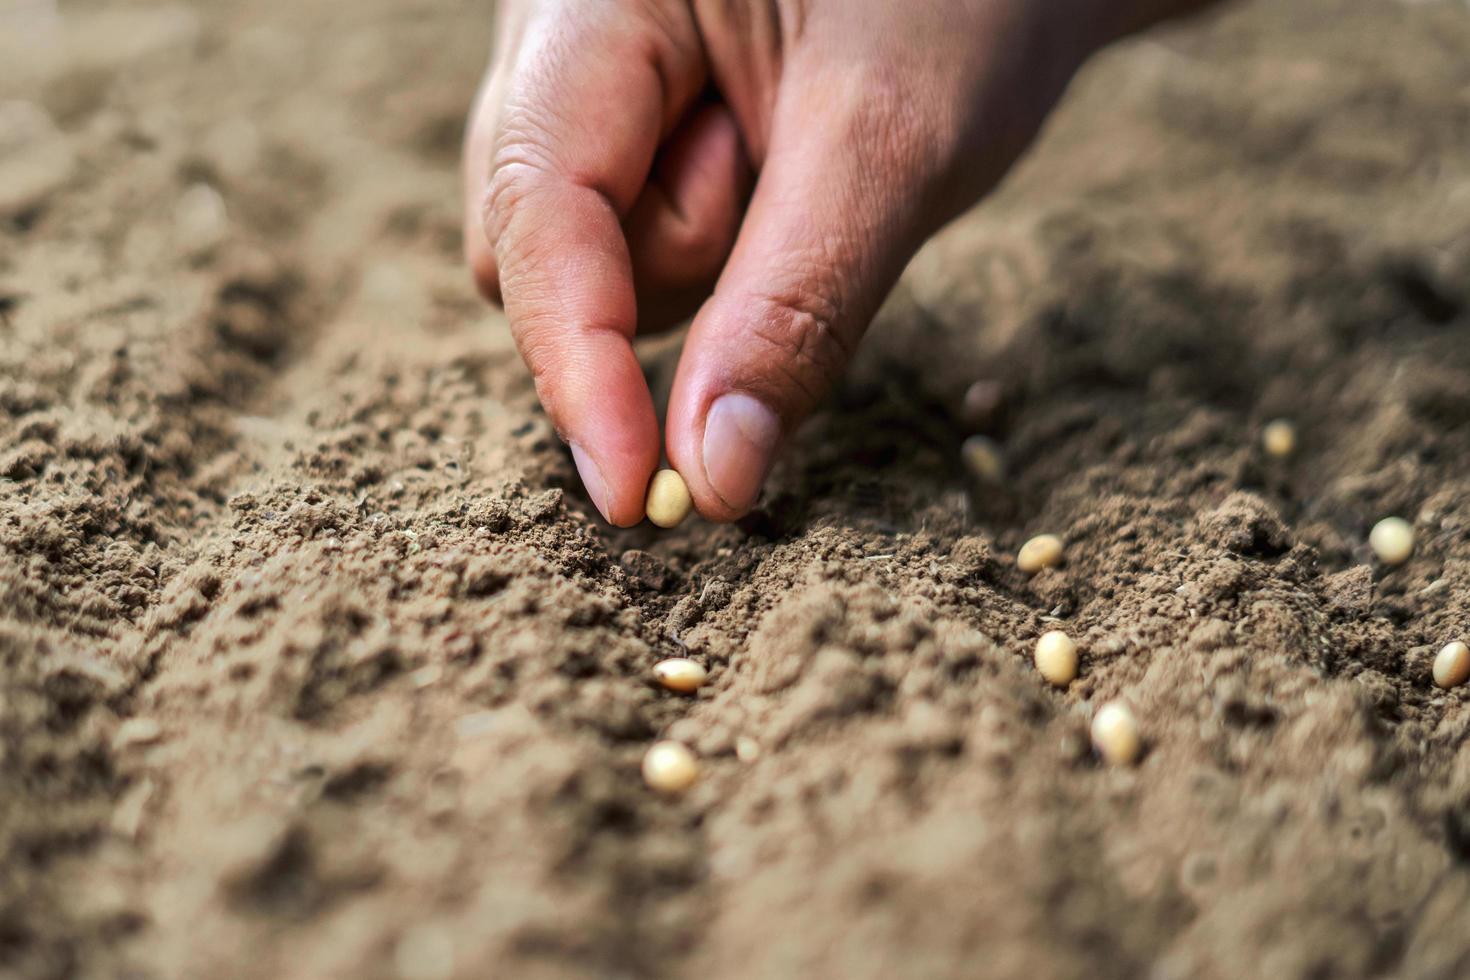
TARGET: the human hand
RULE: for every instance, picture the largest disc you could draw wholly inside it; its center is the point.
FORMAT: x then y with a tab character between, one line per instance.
595	172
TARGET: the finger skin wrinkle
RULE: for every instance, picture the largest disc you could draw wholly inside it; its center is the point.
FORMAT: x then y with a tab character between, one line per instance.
807	346
507	188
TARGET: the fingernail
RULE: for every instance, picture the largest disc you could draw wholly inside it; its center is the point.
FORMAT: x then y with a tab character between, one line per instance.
740	436
591	479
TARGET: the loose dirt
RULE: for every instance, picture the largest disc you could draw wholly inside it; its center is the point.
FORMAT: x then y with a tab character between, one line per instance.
317	663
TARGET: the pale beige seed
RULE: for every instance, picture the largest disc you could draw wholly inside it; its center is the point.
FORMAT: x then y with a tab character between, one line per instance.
982	403
1056	658
1279	438
1115	734
668	499
1452	666
1392	540
680	674
669	767
983	459
1042	551
747	749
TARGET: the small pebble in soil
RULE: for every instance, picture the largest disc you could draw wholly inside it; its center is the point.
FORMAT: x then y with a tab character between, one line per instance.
1392	540
1115	734
669	767
983	460
1042	551
1452	666
668	499
1056	658
680	674
1279	438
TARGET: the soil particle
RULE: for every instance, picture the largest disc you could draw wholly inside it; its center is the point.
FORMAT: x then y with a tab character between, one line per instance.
315	660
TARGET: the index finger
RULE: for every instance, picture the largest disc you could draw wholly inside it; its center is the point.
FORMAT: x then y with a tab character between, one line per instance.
583	109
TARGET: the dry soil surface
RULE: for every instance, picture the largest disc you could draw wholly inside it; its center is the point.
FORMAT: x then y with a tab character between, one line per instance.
315	661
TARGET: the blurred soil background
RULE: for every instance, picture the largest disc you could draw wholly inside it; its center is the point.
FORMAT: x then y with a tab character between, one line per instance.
315	661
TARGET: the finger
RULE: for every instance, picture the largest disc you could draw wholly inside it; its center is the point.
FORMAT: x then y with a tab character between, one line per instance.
834	218
476	176
682	228
511	22
585	104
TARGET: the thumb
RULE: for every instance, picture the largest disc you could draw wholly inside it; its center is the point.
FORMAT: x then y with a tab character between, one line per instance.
837	212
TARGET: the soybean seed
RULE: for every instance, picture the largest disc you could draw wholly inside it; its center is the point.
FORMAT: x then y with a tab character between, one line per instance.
680	674
1279	438
1452	666
1115	734
1056	658
747	749
1392	540
1042	551
983	460
668	500
669	767
982	403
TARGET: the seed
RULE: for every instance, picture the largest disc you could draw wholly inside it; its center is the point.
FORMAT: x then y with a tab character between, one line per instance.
983	459
1279	438
747	749
1042	551
1056	657
669	767
680	674
1115	734
668	499
1392	540
1452	666
982	403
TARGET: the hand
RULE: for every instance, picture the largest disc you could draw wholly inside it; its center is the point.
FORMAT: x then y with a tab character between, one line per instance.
597	171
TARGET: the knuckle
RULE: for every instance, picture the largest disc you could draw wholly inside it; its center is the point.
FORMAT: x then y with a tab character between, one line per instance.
517	161
803	330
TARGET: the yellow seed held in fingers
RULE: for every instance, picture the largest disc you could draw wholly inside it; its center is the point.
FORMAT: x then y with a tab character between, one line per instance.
669	767
1452	666
1279	438
1392	540
668	500
1056	658
1115	734
1042	551
680	674
983	459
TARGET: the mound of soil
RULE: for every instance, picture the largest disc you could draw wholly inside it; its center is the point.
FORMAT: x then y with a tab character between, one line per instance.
317	662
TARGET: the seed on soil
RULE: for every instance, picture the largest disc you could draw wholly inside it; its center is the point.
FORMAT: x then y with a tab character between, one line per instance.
982	403
1452	666
680	674
1279	438
1115	734
669	767
1392	540
668	499
983	460
1042	551
747	749
1056	658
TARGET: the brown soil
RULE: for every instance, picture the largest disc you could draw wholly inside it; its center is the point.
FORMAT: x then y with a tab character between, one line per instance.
316	664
